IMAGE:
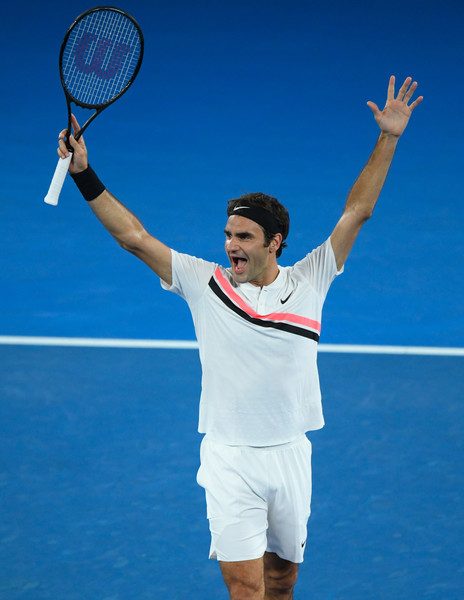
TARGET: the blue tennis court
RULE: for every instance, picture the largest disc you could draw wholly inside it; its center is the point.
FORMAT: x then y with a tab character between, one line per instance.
100	453
98	445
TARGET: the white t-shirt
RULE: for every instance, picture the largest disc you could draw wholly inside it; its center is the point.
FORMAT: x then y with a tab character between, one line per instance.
258	347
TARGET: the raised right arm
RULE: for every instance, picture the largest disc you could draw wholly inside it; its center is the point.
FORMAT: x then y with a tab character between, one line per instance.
121	223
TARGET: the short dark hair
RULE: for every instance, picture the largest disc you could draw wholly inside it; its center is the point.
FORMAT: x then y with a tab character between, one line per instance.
272	205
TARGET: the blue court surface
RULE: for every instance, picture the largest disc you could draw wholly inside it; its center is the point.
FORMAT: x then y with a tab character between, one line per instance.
98	492
98	445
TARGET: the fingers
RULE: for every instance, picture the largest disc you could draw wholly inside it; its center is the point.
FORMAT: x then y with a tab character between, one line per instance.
407	90
373	106
403	88
391	89
416	102
75	125
76	145
64	141
67	144
63	151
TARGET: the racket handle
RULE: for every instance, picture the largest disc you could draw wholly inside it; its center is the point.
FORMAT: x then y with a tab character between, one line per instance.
57	181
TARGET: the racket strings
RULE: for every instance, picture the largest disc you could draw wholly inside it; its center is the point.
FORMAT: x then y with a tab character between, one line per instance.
100	57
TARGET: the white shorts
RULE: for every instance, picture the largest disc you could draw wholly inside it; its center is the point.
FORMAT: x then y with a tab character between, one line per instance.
258	499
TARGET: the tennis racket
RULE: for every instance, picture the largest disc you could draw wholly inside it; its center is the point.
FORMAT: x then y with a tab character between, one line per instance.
100	57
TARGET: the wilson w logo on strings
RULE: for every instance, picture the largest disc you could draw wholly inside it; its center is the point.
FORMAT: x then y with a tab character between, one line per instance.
103	58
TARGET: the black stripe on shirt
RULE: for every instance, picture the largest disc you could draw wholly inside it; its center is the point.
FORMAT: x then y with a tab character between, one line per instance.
261	322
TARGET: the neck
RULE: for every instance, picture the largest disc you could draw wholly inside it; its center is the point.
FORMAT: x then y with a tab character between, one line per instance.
268	276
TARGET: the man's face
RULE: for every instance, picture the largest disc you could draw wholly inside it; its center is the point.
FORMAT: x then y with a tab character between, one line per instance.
250	259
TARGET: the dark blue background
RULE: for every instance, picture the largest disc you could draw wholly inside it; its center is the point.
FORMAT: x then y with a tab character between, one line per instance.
235	97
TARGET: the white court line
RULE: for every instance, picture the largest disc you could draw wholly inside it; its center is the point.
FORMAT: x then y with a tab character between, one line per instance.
366	349
96	342
15	340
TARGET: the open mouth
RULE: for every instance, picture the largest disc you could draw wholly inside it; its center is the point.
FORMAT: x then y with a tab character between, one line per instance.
238	264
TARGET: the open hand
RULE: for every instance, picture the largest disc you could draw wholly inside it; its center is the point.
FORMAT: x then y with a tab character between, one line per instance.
393	119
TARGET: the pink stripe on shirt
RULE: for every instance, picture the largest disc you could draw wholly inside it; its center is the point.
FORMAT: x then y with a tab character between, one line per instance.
288	317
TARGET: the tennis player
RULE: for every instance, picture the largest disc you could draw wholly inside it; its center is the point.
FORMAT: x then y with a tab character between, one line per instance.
258	325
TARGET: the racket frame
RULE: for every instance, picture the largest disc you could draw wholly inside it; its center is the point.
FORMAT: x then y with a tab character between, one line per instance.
98	107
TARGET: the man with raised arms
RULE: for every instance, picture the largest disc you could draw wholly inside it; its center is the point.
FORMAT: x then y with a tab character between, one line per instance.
258	325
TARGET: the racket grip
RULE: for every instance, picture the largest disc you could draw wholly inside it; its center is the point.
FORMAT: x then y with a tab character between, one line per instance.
57	181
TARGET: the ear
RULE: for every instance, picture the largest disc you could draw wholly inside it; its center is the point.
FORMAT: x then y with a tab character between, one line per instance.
275	243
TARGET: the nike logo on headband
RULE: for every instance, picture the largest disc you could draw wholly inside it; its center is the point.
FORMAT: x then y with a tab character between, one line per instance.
259	215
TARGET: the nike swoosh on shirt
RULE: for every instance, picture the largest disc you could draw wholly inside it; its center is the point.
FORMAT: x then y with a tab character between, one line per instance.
283	301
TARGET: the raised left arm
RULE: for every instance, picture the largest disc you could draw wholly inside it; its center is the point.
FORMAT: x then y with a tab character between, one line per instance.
366	189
